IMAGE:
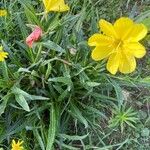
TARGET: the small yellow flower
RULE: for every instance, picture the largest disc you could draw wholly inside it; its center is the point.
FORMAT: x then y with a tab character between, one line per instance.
17	145
3	12
3	54
119	43
55	5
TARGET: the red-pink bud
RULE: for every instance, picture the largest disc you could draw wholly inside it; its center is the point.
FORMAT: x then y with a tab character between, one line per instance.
34	36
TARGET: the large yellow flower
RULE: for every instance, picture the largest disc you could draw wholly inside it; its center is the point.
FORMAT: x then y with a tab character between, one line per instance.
119	43
17	145
3	12
55	5
3	54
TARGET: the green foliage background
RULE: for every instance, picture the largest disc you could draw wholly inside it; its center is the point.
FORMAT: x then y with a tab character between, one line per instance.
55	96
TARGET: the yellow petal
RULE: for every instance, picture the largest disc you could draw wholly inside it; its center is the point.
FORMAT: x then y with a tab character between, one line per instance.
136	49
122	26
113	62
107	28
17	145
99	39
55	5
127	63
137	33
101	52
3	12
13	142
3	55
20	142
2	59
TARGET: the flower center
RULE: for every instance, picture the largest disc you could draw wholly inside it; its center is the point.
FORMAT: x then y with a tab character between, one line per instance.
118	43
16	147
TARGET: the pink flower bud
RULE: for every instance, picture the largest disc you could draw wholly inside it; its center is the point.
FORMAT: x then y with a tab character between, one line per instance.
34	36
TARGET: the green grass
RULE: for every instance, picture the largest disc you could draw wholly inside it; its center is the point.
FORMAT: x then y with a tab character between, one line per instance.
53	99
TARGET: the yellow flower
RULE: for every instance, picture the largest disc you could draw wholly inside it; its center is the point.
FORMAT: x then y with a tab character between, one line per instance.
55	5
3	54
17	145
119	43
3	12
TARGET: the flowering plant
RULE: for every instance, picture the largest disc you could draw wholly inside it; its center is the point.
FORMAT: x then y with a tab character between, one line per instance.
65	84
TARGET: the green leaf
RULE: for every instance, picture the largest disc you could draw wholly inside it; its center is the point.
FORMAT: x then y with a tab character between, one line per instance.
114	146
39	139
93	110
63	95
118	91
5	70
67	146
12	56
146	22
22	102
78	115
93	84
3	106
21	25
25	70
35	97
18	91
64	80
48	71
142	16
73	137
29	11
4	103
53	46
52	128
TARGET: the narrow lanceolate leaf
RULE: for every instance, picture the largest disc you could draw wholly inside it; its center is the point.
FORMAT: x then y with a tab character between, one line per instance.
64	80
92	84
36	97
73	137
66	146
18	91
22	102
53	46
29	11
52	128
119	92
3	104
63	95
93	110
39	139
75	112
5	70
